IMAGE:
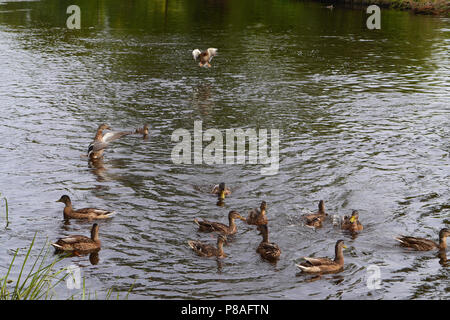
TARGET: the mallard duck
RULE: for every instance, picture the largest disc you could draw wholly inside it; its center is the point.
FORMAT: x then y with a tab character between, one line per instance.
207	250
85	213
221	190
101	141
79	244
258	216
208	226
325	265
205	57
422	244
143	131
315	220
352	223
267	250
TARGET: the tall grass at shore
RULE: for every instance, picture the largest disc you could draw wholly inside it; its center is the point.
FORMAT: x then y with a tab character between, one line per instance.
40	280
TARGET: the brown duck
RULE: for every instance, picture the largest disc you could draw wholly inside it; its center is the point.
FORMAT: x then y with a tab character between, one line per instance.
208	226
315	220
258	216
143	131
352	223
325	265
85	213
101	141
422	244
207	250
79	244
267	250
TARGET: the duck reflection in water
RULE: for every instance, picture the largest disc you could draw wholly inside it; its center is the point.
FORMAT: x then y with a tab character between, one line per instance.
202	98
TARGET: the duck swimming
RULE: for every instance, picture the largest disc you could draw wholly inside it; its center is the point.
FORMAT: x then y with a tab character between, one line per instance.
258	216
267	250
79	244
422	244
352	223
207	250
101	141
315	220
325	265
221	190
85	213
143	131
205	57
208	226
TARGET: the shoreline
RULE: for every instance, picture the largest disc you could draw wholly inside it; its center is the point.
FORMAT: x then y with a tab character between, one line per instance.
426	7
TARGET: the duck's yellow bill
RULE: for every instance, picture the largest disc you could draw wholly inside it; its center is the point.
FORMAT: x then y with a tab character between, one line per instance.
352	219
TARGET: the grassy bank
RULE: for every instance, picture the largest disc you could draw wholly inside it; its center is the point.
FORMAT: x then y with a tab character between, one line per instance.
433	7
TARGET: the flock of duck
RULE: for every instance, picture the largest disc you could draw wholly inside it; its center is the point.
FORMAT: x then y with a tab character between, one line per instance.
271	251
79	244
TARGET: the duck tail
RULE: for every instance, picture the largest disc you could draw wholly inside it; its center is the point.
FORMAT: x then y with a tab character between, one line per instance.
108	214
191	244
303	268
399	239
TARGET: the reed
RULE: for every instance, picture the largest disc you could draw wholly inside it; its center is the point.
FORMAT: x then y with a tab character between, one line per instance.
39	282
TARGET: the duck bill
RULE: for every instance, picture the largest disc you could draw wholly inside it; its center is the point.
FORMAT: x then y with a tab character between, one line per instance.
352	219
222	195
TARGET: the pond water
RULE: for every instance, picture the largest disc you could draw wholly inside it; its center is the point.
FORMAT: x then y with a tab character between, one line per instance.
364	124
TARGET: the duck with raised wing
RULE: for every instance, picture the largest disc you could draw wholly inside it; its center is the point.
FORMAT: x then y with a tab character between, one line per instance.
325	265
85	213
208	226
257	216
207	250
352	223
79	244
101	141
422	244
204	57
315	220
268	250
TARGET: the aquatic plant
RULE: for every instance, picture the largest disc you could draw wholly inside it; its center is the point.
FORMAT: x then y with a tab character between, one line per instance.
42	278
38	282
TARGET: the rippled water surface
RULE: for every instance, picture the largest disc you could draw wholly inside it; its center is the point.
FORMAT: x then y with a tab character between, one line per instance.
364	124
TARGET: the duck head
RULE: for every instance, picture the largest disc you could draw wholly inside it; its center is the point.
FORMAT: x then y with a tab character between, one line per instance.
354	217
235	215
64	199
